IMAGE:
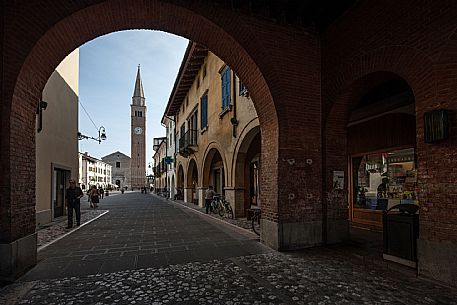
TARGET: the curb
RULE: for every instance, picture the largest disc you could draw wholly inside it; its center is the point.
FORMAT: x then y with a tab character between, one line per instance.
71	231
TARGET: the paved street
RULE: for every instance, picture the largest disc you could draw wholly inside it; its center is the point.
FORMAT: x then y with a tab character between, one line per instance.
149	251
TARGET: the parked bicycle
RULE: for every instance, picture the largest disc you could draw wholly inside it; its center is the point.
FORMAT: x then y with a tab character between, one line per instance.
226	209
255	220
216	204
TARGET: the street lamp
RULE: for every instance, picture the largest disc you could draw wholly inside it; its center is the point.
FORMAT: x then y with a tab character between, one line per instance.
101	135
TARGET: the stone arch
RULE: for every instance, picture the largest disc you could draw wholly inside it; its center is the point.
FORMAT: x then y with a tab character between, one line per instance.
242	145
192	178
343	89
212	150
247	149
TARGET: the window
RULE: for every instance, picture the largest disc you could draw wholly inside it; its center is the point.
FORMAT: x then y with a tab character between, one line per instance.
118	164
204	111
192	128
243	90
226	99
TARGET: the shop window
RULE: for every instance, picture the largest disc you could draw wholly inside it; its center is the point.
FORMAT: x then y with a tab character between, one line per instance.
382	180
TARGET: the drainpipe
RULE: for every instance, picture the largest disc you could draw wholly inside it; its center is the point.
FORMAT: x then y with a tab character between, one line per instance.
234	120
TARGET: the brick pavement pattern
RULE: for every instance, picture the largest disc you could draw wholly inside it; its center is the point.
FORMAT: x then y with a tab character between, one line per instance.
148	251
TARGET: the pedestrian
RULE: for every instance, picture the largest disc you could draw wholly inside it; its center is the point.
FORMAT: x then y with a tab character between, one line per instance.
101	192
72	197
209	196
94	199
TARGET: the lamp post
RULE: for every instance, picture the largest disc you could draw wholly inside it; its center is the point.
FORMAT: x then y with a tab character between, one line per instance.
101	135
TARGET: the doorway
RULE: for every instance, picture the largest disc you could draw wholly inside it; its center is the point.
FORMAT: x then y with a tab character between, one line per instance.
60	178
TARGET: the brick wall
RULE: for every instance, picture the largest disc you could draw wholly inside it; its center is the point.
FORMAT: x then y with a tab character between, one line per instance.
271	59
285	70
417	43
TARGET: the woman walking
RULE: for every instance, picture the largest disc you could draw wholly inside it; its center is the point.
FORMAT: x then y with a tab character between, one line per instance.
94	200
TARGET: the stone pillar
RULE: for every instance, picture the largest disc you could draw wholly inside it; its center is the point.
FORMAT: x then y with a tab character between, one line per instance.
17	257
235	196
201	196
188	194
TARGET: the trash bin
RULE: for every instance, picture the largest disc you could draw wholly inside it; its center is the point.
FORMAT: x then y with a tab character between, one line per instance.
400	234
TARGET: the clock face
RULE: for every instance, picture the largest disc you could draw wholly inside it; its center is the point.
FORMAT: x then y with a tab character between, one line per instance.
138	130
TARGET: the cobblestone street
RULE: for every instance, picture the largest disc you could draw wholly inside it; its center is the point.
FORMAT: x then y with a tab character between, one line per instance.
149	251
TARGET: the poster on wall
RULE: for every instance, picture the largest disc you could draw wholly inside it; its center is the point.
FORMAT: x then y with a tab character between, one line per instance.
338	180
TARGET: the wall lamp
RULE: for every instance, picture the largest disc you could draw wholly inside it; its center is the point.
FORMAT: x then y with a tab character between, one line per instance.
101	135
42	105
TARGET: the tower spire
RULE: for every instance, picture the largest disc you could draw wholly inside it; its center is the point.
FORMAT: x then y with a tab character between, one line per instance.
138	93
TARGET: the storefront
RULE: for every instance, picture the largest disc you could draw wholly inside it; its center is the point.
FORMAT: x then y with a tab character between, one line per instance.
380	181
381	147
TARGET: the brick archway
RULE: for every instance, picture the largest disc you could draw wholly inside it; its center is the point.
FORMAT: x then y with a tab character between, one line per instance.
37	36
354	79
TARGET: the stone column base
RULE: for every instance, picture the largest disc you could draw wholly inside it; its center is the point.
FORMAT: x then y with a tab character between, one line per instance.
291	236
235	196
437	260
17	257
188	194
201	196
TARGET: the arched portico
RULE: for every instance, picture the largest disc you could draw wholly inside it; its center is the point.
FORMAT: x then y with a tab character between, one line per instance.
33	49
394	131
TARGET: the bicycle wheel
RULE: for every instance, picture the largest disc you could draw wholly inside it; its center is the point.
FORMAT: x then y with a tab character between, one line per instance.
256	224
216	207
221	211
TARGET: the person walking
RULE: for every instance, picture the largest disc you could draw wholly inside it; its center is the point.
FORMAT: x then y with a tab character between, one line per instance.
209	196
100	192
73	195
94	199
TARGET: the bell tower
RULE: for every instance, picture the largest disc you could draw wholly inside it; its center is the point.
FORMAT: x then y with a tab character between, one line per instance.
138	135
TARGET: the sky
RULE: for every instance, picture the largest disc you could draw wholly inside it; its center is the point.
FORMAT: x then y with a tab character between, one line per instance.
108	67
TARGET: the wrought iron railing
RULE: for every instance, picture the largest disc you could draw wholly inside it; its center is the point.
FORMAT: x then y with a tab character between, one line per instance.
190	138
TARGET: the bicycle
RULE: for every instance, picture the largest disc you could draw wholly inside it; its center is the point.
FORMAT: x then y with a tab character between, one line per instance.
255	220
226	209
216	205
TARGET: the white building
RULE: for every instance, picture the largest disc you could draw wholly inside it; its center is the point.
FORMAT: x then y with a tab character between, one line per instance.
93	171
56	141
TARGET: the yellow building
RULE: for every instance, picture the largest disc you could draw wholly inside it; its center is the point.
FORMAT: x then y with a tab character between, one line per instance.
217	132
56	140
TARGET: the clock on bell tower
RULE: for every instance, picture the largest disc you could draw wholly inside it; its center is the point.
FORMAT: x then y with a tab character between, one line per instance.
138	135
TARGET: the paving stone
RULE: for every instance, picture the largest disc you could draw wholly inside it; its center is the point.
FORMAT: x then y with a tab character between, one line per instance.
210	274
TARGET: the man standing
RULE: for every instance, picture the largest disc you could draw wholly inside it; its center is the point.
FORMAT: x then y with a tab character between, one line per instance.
72	196
209	196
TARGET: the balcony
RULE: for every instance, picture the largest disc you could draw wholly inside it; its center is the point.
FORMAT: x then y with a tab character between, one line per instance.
188	143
